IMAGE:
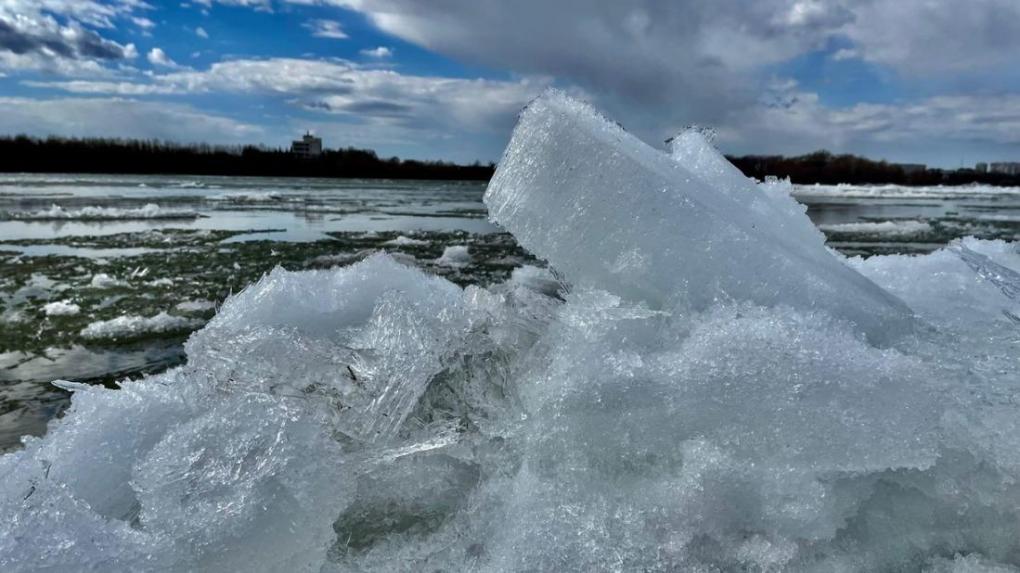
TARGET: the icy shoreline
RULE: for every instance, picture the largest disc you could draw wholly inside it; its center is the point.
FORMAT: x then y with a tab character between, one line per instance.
698	384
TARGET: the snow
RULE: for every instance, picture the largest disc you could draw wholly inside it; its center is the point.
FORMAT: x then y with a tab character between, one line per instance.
402	241
196	305
103	280
454	256
148	211
900	192
61	308
251	197
887	228
132	325
638	406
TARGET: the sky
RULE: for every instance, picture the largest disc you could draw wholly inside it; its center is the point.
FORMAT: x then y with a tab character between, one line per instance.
923	81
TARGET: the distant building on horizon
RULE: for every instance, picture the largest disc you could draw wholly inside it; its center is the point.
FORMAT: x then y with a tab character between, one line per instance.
307	146
981	167
1005	167
911	168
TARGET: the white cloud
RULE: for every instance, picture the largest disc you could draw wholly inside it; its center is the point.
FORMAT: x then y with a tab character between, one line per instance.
844	54
326	29
201	33
143	23
345	89
61	35
943	129
938	37
379	52
655	65
158	57
260	5
119	117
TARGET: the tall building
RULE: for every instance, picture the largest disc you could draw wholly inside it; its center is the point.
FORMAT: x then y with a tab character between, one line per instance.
307	146
1005	167
981	167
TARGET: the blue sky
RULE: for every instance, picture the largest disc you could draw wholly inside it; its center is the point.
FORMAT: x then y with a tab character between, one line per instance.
916	80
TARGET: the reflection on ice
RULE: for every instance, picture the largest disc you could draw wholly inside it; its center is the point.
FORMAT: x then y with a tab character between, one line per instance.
695	384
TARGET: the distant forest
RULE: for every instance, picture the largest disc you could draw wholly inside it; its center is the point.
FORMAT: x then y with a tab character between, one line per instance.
827	168
150	157
60	155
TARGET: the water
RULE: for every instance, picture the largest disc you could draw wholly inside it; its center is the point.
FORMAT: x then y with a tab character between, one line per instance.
306	209
242	227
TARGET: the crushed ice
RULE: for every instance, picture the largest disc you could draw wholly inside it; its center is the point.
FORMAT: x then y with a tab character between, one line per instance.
697	384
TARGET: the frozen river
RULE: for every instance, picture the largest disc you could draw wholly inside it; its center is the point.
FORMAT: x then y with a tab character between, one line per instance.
379	379
194	240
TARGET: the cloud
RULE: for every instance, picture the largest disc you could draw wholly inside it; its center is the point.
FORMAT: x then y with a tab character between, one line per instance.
379	52
938	37
661	64
844	54
942	128
201	33
119	117
326	29
52	34
143	23
260	5
655	65
344	89
158	57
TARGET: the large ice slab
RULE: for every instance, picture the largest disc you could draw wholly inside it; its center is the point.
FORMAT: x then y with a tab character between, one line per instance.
607	210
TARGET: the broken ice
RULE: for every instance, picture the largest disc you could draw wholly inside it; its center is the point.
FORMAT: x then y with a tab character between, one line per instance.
694	384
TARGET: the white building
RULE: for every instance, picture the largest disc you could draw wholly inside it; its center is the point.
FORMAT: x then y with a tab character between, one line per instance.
307	146
1006	168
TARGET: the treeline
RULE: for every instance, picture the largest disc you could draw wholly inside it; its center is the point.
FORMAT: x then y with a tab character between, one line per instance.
827	168
62	155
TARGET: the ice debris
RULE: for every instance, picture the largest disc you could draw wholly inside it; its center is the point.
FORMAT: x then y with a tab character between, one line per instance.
148	211
656	400
201	305
885	228
132	326
454	256
103	280
402	241
694	231
61	308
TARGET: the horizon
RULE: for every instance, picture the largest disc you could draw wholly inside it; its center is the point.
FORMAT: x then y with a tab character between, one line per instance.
286	148
914	82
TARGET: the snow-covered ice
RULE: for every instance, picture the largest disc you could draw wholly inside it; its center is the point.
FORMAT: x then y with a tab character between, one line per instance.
887	228
61	308
657	400
103	280
147	211
455	256
132	326
195	305
402	241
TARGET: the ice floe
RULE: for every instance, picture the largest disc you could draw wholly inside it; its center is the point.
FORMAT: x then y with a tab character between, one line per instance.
133	326
148	211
